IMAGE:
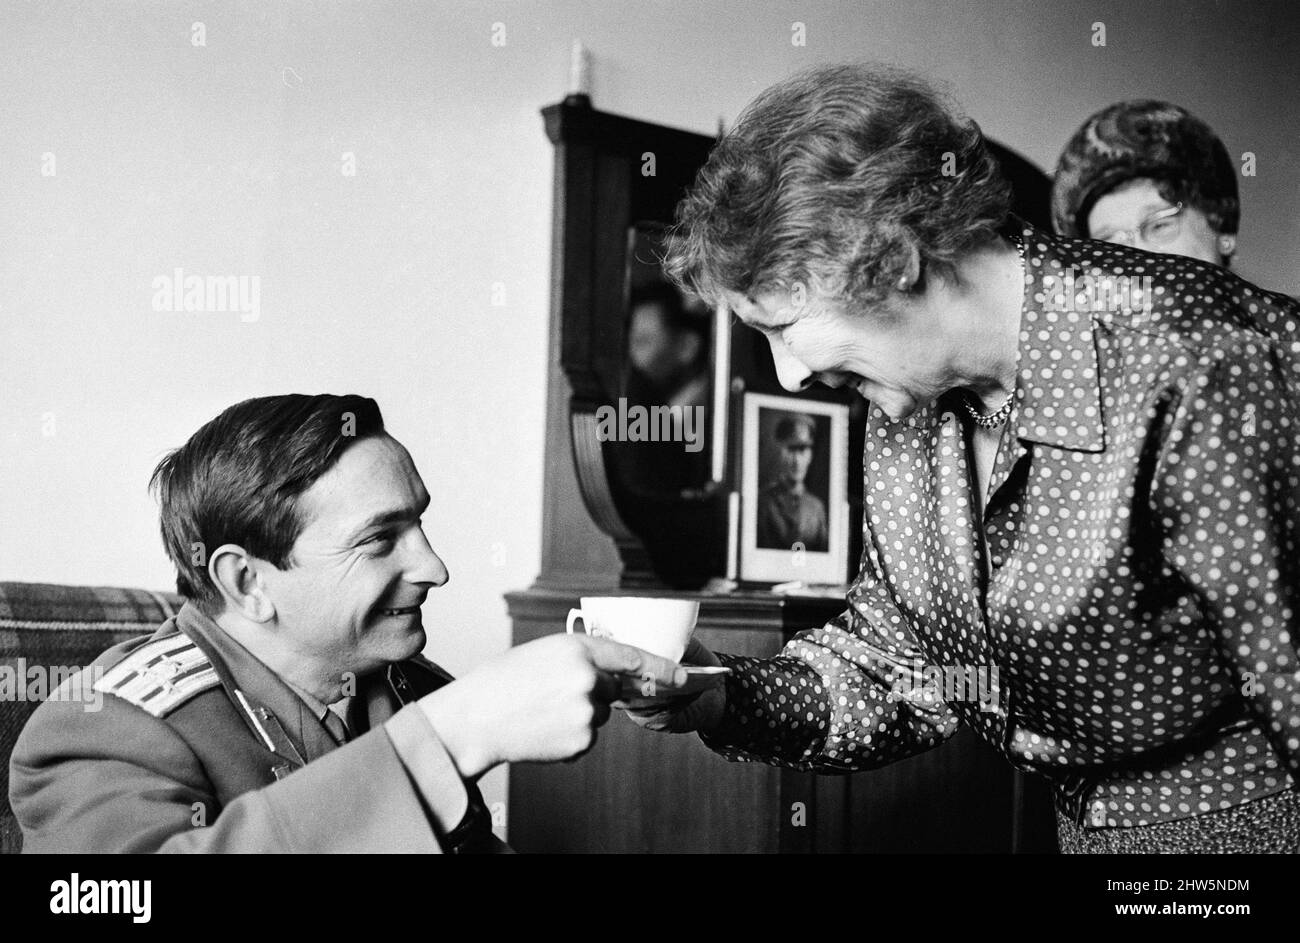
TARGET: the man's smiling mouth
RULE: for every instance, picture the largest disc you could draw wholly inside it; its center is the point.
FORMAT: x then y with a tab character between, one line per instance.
406	611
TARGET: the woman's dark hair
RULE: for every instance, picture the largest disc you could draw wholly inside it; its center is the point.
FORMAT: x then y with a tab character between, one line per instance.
831	179
237	480
1145	139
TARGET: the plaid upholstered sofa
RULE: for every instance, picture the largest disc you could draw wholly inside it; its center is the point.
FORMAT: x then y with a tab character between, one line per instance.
45	627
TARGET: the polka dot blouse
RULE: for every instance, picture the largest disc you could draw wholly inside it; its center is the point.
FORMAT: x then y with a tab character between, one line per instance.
1122	616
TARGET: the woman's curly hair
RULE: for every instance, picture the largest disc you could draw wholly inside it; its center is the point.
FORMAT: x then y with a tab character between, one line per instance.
831	178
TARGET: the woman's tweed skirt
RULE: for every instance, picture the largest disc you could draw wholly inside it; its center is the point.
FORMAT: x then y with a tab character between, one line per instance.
1271	824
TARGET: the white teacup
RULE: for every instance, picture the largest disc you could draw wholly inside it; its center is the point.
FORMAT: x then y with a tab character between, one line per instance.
662	627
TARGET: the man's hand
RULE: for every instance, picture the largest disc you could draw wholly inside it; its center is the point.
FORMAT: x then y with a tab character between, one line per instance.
669	714
539	702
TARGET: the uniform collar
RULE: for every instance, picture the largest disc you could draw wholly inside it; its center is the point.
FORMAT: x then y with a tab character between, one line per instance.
314	704
243	674
345	708
1058	388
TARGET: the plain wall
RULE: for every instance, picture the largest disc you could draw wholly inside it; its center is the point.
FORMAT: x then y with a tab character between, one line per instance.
227	160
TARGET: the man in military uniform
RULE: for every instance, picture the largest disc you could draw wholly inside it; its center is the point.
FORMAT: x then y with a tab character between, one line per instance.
788	513
286	707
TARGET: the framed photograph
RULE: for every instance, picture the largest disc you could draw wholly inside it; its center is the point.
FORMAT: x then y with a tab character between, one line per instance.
794	494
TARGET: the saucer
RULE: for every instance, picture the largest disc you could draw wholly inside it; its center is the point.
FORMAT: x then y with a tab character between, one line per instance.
698	678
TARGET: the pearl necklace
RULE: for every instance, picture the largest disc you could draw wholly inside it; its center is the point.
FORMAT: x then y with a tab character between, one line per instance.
998	416
994	419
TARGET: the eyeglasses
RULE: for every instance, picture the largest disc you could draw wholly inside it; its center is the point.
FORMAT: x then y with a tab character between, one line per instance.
1160	228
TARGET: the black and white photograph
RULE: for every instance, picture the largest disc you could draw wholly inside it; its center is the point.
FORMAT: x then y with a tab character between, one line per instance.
794	490
910	389
794	481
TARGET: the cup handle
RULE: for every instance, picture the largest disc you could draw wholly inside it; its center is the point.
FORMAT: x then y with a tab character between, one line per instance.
574	616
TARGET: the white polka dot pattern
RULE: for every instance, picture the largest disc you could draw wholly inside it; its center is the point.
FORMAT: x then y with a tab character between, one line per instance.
1141	550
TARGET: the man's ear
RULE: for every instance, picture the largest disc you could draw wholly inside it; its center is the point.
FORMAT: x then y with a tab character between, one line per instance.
234	571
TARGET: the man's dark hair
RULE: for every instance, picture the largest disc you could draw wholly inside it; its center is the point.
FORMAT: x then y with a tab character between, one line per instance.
676	316
237	480
787	426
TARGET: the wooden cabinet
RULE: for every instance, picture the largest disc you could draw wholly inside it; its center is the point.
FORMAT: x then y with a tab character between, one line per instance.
638	791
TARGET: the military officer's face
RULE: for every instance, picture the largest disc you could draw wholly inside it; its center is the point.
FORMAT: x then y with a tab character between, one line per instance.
795	459
361	566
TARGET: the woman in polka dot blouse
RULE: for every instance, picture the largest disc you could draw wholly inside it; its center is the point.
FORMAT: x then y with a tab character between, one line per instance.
1082	479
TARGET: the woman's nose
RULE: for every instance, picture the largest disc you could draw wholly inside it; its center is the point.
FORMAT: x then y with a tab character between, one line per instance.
794	376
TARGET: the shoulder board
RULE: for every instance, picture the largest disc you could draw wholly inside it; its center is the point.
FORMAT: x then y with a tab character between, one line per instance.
160	675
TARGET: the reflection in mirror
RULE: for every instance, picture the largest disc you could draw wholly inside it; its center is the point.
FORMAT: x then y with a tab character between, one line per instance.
660	460
667	375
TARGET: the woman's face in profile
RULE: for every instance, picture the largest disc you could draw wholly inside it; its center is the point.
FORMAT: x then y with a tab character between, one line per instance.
1135	214
884	354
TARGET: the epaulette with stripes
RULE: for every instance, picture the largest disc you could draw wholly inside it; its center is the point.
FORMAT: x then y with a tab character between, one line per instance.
161	675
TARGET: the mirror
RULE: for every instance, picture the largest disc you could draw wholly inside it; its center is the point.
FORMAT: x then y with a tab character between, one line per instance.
662	453
667	379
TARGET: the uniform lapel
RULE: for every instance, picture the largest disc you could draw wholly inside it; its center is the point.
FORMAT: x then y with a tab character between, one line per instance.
376	699
268	727
311	731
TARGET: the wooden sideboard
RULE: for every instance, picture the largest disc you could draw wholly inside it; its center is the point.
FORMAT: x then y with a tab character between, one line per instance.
639	792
